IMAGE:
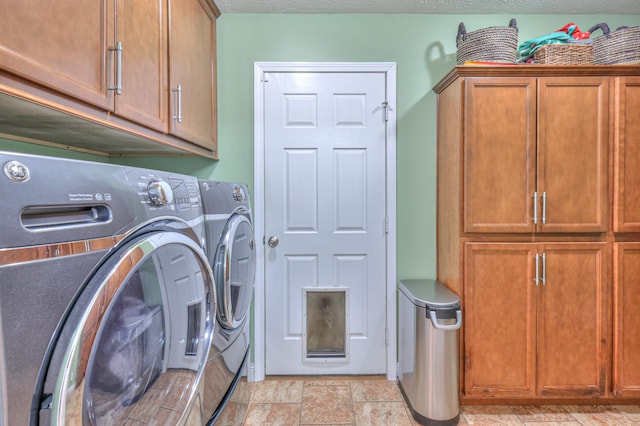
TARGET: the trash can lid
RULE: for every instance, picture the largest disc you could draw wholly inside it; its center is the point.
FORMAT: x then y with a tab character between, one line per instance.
430	294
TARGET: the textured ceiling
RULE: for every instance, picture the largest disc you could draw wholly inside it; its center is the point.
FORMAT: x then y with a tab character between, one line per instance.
432	6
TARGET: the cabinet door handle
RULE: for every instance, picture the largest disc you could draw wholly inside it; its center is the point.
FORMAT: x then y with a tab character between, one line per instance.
535	208
178	92
537	278
118	86
544	269
544	207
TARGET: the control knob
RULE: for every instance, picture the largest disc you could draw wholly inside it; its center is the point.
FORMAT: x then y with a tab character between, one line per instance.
159	192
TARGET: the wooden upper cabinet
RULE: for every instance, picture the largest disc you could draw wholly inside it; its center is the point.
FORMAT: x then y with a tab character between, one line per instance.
141	32
108	63
192	72
535	154
626	200
573	143
62	45
499	154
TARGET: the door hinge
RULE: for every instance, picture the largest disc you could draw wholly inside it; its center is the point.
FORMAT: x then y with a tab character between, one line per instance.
386	224
386	336
386	107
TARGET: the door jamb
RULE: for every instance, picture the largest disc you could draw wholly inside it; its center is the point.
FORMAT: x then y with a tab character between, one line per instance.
257	369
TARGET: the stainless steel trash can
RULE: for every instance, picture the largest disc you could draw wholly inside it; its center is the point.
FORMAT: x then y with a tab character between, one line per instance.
429	319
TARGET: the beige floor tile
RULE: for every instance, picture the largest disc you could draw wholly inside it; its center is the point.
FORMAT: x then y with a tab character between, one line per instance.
574	423
599	415
374	390
277	391
327	404
544	413
490	415
273	415
381	414
326	382
632	412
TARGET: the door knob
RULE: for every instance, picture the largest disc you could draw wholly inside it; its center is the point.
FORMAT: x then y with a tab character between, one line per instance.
273	241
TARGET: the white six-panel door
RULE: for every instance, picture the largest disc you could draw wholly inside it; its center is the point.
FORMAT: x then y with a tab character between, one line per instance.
325	202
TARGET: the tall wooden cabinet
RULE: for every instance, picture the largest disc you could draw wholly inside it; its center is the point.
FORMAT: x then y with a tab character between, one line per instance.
146	69
529	170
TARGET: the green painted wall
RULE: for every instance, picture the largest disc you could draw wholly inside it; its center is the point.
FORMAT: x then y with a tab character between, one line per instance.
423	46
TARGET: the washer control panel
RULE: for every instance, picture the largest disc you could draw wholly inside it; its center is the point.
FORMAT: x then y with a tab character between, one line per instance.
160	192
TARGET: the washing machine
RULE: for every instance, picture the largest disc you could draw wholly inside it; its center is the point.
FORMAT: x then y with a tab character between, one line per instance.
107	298
231	254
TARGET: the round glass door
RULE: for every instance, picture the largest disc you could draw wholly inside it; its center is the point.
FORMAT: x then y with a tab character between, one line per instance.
137	352
234	271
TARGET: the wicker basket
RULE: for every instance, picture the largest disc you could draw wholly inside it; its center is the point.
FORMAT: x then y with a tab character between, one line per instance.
564	54
619	47
493	44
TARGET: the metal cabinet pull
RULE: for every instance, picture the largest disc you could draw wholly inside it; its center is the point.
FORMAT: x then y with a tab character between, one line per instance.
544	207
118	86
535	208
178	92
544	269
537	278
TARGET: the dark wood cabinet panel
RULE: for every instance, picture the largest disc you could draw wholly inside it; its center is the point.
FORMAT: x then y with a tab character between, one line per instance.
192	77
499	154
573	142
626	202
535	321
535	155
62	45
626	352
499	320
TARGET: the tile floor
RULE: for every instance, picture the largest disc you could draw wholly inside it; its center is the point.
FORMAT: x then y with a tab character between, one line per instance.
373	401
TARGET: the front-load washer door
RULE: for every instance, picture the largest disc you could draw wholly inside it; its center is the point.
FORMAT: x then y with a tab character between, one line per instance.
234	271
136	341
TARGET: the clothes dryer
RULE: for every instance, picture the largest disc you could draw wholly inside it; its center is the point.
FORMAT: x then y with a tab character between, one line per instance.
107	298
231	253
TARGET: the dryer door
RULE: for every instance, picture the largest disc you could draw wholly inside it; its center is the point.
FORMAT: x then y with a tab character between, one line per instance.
234	271
134	345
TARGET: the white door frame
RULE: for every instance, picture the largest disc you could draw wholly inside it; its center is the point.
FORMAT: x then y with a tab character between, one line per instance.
257	372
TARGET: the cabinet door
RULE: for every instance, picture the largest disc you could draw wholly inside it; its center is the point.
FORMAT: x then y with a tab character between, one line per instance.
627	156
499	154
626	352
572	153
141	27
192	72
62	45
499	320
572	312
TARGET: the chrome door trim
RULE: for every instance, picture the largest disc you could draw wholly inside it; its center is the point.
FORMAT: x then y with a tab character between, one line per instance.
222	271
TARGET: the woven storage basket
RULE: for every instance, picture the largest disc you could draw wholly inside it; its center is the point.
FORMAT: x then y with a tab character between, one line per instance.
493	44
564	54
619	47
